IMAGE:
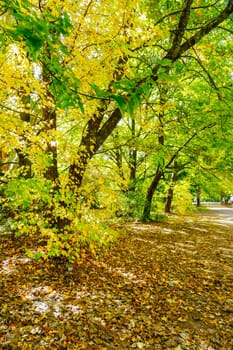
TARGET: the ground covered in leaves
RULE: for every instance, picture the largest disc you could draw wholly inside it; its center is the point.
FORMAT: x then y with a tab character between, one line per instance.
161	286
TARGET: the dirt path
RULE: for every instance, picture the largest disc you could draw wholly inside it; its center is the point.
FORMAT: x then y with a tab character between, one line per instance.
161	286
219	213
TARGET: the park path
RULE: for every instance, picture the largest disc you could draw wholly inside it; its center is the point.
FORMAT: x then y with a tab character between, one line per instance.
162	286
219	213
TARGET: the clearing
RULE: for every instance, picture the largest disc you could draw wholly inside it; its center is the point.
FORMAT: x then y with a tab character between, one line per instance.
161	286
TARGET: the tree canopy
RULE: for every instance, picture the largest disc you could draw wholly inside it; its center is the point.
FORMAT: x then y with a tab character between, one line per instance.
111	105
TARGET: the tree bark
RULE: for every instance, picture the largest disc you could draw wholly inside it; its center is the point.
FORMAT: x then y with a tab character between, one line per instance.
150	194
198	194
169	199
92	139
49	122
132	159
132	169
171	191
24	163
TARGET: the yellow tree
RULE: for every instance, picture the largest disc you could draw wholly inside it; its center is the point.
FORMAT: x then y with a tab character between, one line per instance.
71	71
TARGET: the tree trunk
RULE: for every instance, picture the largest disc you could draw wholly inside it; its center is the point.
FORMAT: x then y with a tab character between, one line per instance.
174	177
77	170
24	163
49	127
132	159
132	169
169	199
150	194
198	193
92	139
49	122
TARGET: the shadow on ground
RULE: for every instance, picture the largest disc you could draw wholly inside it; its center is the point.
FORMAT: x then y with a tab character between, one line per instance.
161	286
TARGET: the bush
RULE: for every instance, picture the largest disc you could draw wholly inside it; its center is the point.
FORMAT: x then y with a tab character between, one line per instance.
66	226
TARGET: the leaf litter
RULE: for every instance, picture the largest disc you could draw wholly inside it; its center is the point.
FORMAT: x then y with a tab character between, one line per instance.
156	288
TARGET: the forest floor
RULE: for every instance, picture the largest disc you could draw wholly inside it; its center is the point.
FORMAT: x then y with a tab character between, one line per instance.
161	286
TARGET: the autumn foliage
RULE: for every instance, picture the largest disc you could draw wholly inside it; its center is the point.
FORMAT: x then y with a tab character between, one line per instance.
108	106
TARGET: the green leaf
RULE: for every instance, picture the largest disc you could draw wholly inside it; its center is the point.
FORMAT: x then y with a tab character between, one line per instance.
164	75
80	104
120	100
99	92
134	102
34	45
165	62
179	67
66	21
125	85
37	255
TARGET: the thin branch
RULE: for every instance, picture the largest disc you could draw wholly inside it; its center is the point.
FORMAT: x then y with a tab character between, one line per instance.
6	163
226	29
209	126
211	80
205	30
92	97
166	16
79	26
40	6
206	6
3	13
178	11
15	111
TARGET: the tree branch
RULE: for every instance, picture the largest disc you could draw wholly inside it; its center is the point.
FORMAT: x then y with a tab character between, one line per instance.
205	30
108	127
211	80
180	30
209	126
178	11
226	29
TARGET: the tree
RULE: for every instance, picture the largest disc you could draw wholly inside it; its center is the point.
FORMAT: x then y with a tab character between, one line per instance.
72	79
